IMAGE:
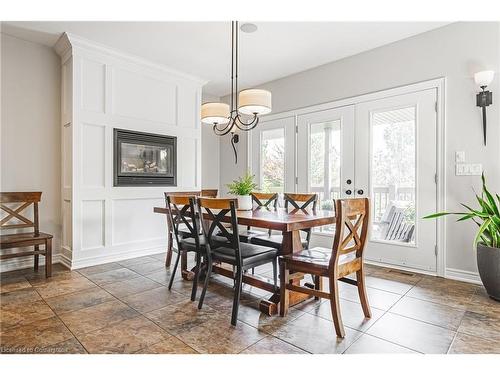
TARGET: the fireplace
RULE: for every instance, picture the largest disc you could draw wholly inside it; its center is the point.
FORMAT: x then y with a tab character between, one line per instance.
144	159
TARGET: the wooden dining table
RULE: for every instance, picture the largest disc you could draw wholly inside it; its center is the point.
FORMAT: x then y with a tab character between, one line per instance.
289	223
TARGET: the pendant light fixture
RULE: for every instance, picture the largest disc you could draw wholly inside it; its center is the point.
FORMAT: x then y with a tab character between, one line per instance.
245	106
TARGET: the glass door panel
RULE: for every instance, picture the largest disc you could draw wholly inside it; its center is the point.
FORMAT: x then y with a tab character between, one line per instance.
272	160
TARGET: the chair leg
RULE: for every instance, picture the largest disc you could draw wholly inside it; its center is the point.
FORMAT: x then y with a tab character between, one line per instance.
317	284
205	284
196	279
335	306
275	274
172	276
237	293
363	296
170	250
284	293
48	258
37	249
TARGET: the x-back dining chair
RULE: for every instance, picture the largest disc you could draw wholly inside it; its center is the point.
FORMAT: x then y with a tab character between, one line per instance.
298	202
242	256
182	211
345	258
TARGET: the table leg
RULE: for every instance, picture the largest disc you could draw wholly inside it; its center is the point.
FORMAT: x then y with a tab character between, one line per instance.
292	243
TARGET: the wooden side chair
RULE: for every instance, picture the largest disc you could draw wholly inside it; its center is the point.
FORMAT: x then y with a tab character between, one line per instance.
209	193
242	256
345	258
14	219
259	200
297	202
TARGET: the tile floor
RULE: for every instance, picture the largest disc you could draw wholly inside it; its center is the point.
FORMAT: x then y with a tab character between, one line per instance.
125	307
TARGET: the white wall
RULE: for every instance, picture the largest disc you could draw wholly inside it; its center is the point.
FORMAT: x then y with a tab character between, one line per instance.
455	52
30	136
103	89
210	151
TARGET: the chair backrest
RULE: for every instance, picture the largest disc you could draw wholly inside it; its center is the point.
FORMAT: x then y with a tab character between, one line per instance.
265	199
25	199
209	193
216	209
301	201
182	211
351	228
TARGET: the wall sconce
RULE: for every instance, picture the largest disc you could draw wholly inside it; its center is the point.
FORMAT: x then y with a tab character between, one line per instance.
484	98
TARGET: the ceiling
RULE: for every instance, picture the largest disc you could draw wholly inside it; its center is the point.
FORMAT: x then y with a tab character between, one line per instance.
275	50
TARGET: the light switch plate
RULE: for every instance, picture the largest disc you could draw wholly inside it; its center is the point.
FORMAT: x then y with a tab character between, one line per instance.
460	157
463	169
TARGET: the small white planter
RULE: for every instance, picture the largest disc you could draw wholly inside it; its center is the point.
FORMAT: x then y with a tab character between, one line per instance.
244	202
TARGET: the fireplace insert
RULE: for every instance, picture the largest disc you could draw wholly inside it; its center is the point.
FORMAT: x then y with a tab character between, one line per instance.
144	159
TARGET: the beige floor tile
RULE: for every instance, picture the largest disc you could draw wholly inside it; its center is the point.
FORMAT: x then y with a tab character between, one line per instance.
447	292
16	314
219	336
71	346
429	312
351	312
79	300
99	269
20	296
148	268
134	261
367	344
272	345
163	276
377	298
181	316
484	326
171	345
59	287
466	344
413	334
98	316
112	276
152	299
12	283
32	337
127	336
388	285
316	335
127	287
483	304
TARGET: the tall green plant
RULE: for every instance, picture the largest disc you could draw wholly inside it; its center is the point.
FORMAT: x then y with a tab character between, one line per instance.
487	217
243	185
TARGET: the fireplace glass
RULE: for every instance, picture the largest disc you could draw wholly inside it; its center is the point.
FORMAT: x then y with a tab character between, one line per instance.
144	159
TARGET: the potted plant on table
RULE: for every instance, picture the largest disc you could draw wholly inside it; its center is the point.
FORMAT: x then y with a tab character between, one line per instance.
487	240
242	188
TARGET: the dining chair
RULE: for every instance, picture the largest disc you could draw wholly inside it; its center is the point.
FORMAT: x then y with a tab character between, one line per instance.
345	258
209	193
299	202
242	256
182	211
260	201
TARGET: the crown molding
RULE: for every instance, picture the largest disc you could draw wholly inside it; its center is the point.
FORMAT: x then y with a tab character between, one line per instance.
68	42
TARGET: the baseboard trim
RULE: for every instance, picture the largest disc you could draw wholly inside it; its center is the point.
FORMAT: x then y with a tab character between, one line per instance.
94	261
461	275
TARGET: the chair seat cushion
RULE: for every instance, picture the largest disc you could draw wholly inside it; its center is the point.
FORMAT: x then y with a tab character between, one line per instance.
251	255
274	240
189	243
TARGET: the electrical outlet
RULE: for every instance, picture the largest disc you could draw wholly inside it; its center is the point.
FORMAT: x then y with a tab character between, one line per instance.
460	157
463	169
476	169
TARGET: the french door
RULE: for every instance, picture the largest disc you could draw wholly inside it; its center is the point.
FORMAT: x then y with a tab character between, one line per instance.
382	149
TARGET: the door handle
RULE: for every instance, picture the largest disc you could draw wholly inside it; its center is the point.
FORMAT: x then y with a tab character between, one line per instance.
348	192
360	192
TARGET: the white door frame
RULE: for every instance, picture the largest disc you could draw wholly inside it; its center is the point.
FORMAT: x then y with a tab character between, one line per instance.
440	85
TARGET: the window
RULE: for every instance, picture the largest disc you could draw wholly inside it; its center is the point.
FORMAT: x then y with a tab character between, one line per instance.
393	175
324	164
272	158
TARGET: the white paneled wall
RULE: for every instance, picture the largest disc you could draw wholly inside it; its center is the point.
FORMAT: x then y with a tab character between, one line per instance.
103	89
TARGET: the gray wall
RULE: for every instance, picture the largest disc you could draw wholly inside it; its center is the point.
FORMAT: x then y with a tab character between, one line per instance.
30	136
210	176
455	51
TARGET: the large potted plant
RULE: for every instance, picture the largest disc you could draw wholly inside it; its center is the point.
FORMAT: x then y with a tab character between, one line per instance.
242	188
487	240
